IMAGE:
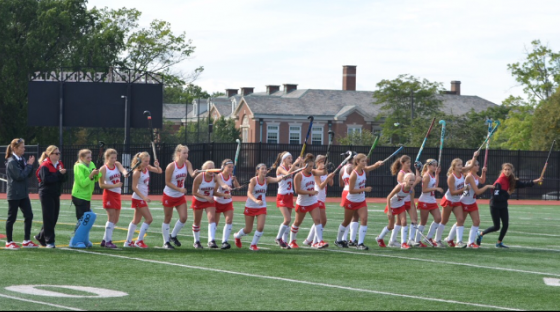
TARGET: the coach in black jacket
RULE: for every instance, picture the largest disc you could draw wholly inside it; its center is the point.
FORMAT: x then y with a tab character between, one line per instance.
18	172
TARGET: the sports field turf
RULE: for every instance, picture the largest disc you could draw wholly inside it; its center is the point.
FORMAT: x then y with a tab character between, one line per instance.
275	279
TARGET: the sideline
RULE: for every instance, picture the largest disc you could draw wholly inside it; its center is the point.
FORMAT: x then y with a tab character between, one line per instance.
43	303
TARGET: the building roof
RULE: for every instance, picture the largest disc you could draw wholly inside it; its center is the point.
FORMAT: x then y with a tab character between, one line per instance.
175	111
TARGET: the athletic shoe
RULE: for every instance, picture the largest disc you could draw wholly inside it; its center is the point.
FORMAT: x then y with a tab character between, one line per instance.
110	245
412	243
393	244
380	242
431	242
501	245
254	248
128	244
198	245
439	244
479	238
79	246
294	245
41	241
278	241
212	245
168	246
51	246
225	245
308	243
362	247
103	243
326	244
353	243
422	245
460	245
140	244
175	241
405	246
238	242
341	244
12	246
320	245
283	244
29	244
473	246
450	243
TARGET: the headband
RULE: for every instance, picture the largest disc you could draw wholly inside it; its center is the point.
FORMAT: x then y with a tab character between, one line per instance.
432	162
229	163
286	155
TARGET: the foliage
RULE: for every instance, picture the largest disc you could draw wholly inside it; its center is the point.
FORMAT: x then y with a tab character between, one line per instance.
364	138
546	123
516	130
224	131
178	94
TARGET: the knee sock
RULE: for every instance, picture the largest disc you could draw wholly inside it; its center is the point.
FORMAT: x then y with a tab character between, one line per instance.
383	233
293	234
404	234
353	230
341	230
452	232
239	234
256	238
196	233
227	232
177	228
311	235
433	229
143	229
363	232
460	230
395	233
211	232
420	231
131	229
109	227
472	234
165	232
318	233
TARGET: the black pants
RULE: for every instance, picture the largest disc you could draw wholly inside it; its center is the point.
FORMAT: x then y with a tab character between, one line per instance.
25	206
51	210
82	206
497	215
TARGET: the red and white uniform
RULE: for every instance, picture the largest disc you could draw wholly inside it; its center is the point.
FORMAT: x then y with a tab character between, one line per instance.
306	203
454	200
468	199
112	196
346	180
357	201
322	196
285	196
427	201
259	192
171	197
224	204
398	201
207	188
407	200
144	188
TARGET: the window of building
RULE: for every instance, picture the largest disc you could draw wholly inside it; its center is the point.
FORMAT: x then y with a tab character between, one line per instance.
295	135
354	129
272	134
317	136
245	129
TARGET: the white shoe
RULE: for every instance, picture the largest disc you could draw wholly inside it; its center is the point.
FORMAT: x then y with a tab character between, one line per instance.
308	243
439	244
394	244
52	246
460	245
412	243
128	245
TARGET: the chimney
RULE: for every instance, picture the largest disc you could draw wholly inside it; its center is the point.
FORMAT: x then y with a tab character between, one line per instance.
246	91
288	87
456	87
270	89
231	92
349	78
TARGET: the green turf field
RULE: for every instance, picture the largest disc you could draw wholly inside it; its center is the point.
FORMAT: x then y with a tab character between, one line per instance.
275	279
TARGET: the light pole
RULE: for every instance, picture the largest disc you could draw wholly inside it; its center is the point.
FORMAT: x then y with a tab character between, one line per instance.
126	152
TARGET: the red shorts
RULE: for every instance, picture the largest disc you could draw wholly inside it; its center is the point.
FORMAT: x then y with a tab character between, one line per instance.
285	200
427	206
171	202
446	203
354	206
407	206
253	212
470	208
221	208
138	203
344	194
111	200
307	208
197	204
321	205
396	211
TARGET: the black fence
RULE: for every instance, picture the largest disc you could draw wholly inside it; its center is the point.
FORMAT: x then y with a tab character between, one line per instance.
528	165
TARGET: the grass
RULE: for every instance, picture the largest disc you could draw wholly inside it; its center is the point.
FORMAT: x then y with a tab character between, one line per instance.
275	279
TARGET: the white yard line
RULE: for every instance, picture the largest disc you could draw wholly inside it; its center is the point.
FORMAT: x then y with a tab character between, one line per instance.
43	303
297	281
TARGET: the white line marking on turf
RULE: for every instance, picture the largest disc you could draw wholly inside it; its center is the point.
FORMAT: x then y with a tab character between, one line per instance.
552	281
298	281
43	303
97	292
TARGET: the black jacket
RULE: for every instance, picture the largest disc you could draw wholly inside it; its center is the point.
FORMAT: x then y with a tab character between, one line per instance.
51	182
500	197
18	175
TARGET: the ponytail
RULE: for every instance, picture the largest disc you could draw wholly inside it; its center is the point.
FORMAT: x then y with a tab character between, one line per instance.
278	160
12	146
47	153
398	164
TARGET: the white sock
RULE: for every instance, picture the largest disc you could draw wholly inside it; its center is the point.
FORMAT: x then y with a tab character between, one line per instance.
318	233
404	234
383	233
395	232
211	232
196	233
363	232
341	232
165	232
256	238
285	234
439	232
460	230
311	235
472	234
239	234
353	230
109	227
227	232
433	229
293	234
283	228
413	229
419	232
177	228
345	235
143	229
131	229
452	232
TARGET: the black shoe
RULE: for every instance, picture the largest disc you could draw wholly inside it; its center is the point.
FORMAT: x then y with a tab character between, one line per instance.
198	245
212	244
41	241
175	241
279	242
283	244
341	244
225	245
353	243
168	246
362	247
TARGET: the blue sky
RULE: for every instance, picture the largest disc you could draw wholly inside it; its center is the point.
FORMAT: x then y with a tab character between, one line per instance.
250	43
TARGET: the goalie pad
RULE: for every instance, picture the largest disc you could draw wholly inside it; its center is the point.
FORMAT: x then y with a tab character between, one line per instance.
81	234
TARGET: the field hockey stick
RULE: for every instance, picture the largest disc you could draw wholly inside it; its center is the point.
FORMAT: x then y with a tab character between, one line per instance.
344	162
424	143
490	135
546	164
424	237
442	122
149	116
244	184
307	136
392	155
138	163
236	156
210	170
489	123
100	155
331	135
373	147
3	180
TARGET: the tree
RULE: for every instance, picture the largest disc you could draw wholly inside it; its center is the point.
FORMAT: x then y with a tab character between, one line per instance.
364	138
224	131
516	130
178	94
546	123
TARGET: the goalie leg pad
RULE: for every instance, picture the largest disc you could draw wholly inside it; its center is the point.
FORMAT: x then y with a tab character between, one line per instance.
81	235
